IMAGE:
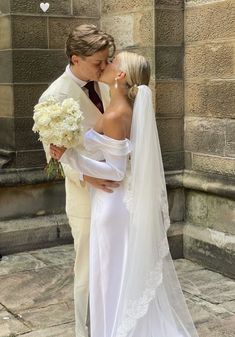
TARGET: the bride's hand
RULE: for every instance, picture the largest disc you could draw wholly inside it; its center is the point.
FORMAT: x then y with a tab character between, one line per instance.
56	152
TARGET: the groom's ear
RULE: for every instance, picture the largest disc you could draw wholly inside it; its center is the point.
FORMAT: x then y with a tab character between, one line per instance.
75	59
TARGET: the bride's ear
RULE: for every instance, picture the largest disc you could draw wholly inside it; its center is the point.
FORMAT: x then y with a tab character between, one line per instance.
121	75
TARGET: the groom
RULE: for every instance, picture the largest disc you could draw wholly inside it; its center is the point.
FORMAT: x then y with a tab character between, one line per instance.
88	50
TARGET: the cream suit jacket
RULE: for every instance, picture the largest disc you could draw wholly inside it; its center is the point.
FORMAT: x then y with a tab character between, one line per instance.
77	199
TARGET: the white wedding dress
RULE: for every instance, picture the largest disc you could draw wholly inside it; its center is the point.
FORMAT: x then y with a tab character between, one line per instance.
134	291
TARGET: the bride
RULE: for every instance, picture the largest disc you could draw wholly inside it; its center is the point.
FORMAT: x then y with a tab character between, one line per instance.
134	290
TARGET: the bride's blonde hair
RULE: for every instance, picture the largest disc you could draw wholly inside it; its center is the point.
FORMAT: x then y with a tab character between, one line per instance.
137	71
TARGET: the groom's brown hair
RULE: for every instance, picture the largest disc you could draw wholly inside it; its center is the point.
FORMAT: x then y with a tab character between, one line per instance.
86	40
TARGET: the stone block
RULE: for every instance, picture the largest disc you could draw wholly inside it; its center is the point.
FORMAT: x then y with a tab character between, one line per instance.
188	160
170	3
7	133
19	235
29	32
173	160
176	201
144	28
30	159
32	200
87	8
214	60
6	101
214	164
112	6
59	29
25	97
209	22
11	325
6	66
170	134
175	240
205	135
169	62
5	32
25	138
4	6
210	211
230	138
169	26
56	7
38	66
210	98
200	247
169	98
121	28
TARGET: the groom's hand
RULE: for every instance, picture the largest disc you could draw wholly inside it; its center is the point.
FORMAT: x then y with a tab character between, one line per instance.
105	185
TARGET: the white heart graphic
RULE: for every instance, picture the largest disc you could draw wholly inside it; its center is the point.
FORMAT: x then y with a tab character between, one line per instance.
44	6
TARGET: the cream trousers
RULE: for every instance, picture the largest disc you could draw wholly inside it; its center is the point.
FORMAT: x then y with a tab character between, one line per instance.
81	231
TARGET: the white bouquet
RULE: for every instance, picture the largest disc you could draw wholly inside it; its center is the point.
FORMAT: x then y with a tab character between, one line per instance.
58	123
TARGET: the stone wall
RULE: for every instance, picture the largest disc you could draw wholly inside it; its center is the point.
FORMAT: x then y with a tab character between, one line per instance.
209	72
31	57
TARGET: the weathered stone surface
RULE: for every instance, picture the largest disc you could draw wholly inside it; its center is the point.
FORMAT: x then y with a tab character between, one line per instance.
34	200
205	135
21	262
30	158
41	318
5	32
170	3
59	255
25	97
6	101
6	66
169	26
210	211
59	29
7	134
56	7
210	99
38	66
45	286
121	28
213	164
218	328
209	22
210	60
63	330
10	325
214	250
24	234
174	128
29	32
143	28
188	160
4	6
230	138
112	6
217	185
25	138
173	160
169	98
169	62
176	202
87	8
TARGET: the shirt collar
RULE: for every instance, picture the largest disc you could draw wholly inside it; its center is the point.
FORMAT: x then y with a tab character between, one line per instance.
68	71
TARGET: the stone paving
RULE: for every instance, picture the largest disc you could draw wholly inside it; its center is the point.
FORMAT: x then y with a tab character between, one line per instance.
36	295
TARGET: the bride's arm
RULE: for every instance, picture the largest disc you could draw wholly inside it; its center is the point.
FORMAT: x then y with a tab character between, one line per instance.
114	167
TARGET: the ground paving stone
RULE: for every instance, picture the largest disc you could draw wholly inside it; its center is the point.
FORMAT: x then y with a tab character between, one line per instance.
36	295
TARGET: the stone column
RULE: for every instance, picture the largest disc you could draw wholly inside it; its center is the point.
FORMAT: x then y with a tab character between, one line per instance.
210	132
31	57
155	29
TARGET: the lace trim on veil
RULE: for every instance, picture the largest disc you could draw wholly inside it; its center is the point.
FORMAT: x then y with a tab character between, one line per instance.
137	308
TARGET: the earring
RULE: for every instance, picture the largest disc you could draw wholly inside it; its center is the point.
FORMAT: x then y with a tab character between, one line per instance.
116	83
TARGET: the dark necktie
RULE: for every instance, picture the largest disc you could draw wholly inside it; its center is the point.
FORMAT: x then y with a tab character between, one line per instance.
94	97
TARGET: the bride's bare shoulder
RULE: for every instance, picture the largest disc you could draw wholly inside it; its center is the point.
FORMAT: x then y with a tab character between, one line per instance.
115	123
